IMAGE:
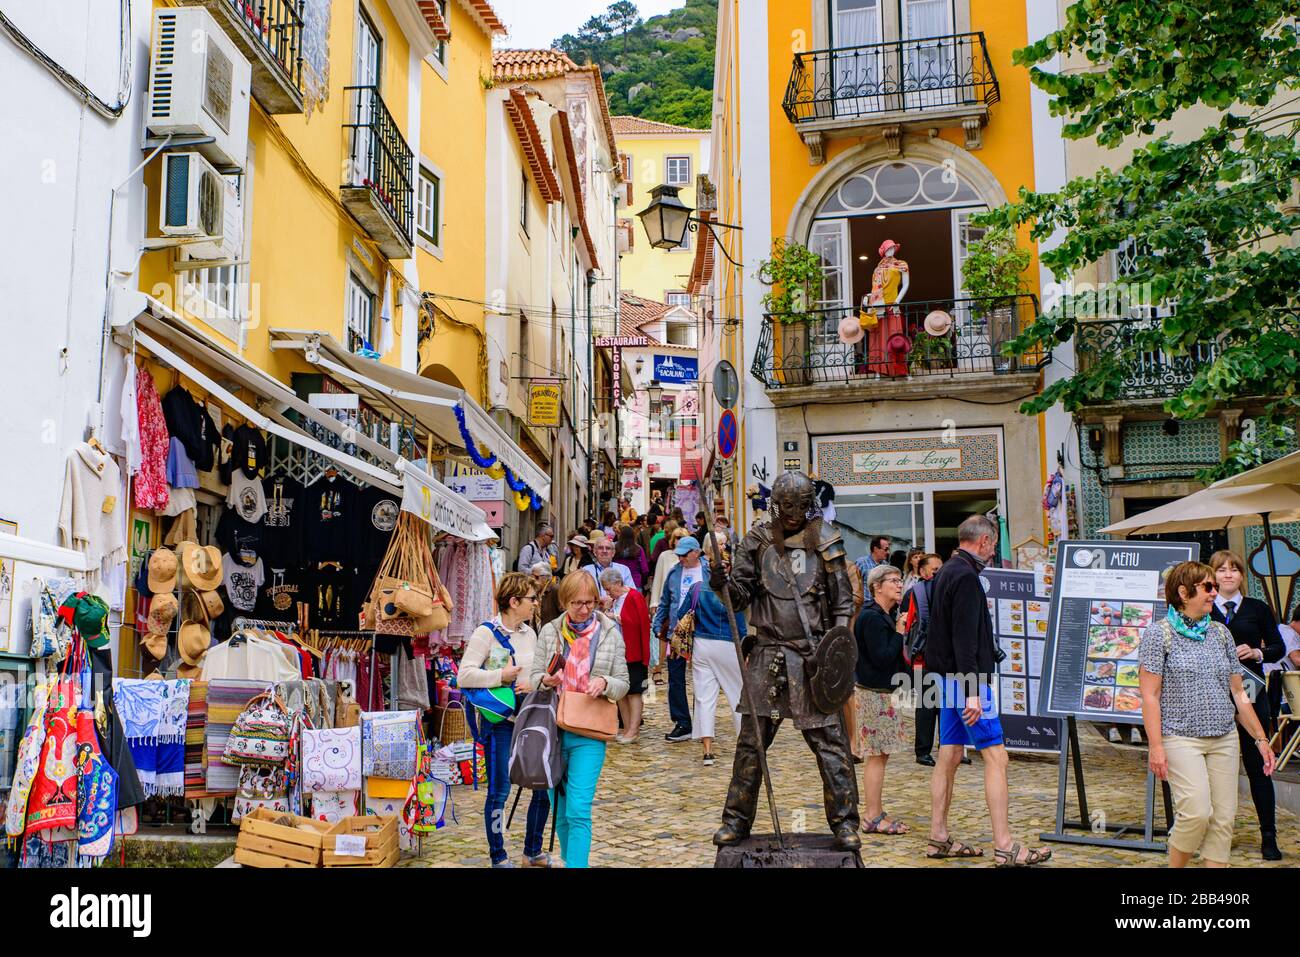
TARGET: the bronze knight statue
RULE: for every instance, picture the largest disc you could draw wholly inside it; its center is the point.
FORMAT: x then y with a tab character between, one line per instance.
789	574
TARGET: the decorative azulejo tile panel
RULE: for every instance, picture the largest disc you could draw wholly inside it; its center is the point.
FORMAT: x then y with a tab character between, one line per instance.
920	460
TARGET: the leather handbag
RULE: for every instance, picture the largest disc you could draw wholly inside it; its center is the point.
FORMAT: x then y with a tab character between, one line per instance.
414	599
586	716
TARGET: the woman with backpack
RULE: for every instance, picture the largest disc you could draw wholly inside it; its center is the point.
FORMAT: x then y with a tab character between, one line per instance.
916	609
500	654
595	666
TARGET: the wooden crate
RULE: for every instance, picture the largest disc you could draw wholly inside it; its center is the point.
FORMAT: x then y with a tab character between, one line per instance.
263	843
381	842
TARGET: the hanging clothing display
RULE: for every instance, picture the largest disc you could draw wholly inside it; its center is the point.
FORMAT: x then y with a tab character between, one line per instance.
153	717
246	497
128	412
151	482
189	422
334	597
247	452
283	522
180	468
91	517
466	570
242	582
329	521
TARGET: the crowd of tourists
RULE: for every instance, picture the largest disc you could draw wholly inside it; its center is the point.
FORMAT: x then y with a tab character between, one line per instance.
595	615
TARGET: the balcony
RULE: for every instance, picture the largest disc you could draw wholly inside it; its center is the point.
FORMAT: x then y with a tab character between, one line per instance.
806	359
380	171
269	33
890	87
1148	375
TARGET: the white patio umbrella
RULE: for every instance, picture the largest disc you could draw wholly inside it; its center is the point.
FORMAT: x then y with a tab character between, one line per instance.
1285	471
1220	507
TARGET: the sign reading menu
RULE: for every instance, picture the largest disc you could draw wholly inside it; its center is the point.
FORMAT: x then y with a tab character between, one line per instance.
1104	597
1019	614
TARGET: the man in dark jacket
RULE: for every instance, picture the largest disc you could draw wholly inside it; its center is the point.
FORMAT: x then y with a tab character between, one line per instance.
961	649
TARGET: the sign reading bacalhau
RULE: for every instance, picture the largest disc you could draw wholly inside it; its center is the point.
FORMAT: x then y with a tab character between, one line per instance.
907	460
676	369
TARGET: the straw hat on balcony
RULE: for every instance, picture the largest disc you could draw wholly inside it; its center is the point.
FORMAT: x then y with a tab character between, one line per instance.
851	330
938	323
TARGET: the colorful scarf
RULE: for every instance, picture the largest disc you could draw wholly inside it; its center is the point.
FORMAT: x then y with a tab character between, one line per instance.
227	699
577	663
153	717
1196	631
196	726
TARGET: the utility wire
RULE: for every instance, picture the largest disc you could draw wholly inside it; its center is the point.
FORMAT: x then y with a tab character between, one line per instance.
77	88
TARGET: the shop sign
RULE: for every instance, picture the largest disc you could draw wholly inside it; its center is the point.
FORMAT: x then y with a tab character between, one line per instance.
434	505
495	512
474	484
544	403
907	460
676	369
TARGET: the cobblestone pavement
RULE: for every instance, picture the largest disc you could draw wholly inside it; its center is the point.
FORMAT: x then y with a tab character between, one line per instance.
658	806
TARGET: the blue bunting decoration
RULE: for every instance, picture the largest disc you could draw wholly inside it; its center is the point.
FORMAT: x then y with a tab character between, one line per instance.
535	501
483	461
516	484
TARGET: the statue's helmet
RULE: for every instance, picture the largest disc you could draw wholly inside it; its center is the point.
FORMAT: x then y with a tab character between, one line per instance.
793	487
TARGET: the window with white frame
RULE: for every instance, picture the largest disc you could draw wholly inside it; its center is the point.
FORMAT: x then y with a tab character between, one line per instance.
428	206
677	170
523	199
682	299
215	294
360	316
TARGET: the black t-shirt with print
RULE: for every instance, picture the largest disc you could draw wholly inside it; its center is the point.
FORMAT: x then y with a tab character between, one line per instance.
329	520
377	511
236	536
334	597
282	527
278	597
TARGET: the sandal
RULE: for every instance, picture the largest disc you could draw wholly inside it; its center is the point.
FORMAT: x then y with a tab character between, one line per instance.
874	826
1010	858
951	848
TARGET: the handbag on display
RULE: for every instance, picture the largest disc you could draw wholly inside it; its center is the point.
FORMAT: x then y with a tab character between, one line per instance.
402	588
261	787
260	736
50	634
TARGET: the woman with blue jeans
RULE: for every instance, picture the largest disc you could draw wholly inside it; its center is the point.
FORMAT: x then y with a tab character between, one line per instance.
595	665
499	654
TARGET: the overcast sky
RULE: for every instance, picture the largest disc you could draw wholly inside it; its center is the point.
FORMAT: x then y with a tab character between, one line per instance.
534	23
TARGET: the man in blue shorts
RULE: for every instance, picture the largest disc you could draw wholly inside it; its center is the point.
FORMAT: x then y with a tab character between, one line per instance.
961	649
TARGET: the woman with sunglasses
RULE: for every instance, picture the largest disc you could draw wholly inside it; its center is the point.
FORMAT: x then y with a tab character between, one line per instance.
1192	695
595	664
499	654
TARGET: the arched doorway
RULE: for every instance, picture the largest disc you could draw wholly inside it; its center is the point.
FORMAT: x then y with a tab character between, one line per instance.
924	206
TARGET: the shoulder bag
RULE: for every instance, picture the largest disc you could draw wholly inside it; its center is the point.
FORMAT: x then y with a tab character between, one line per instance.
682	642
582	714
260	736
494	705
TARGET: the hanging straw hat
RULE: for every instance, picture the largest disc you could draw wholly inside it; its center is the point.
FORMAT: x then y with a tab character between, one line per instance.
192	642
938	323
202	564
851	330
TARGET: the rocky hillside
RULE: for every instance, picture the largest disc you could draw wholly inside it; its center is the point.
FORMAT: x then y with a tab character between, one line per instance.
661	68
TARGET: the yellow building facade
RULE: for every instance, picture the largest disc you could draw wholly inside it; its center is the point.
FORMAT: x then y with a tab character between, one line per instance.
842	125
652	154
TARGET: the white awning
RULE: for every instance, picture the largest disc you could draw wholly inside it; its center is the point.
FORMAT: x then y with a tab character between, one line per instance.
166	336
404	394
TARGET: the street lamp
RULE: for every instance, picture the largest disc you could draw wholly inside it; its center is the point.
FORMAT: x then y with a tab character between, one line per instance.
667	220
654	392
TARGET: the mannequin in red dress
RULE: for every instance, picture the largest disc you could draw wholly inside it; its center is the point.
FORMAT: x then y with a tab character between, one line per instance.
889	284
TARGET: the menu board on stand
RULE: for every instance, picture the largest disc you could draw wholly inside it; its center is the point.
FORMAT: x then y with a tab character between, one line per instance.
1019	614
1104	596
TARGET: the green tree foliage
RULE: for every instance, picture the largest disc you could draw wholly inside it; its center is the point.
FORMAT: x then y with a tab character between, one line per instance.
647	73
1213	215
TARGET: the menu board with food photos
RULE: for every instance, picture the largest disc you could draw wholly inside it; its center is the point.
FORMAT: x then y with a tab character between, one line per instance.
1106	594
1019	612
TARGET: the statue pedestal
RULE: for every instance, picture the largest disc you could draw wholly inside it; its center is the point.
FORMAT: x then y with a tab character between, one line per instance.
801	850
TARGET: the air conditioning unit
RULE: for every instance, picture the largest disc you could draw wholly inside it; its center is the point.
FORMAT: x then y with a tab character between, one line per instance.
199	84
200	203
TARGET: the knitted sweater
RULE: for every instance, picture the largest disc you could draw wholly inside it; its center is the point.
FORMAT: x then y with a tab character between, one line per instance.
91	516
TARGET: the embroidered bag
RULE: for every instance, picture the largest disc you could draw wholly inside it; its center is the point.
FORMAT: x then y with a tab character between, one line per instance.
97	787
260	736
261	787
682	643
50	634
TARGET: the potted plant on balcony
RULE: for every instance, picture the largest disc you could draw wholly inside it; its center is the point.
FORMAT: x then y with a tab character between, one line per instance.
991	277
794	275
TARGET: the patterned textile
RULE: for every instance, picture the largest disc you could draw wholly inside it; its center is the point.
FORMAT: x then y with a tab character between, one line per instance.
196	725
96	791
389	742
261	787
29	752
38	852
53	801
392	807
153	715
577	660
150	482
312	694
466	571
880	726
1195	693
331	760
227	699
334	806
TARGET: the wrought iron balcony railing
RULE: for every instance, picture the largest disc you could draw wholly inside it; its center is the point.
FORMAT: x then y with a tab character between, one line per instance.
899	76
277	25
379	158
1148	374
809	351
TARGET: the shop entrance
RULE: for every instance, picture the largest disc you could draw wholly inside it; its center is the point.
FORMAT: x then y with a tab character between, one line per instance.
953	508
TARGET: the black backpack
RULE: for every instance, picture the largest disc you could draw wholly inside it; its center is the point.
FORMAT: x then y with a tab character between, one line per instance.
536	758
